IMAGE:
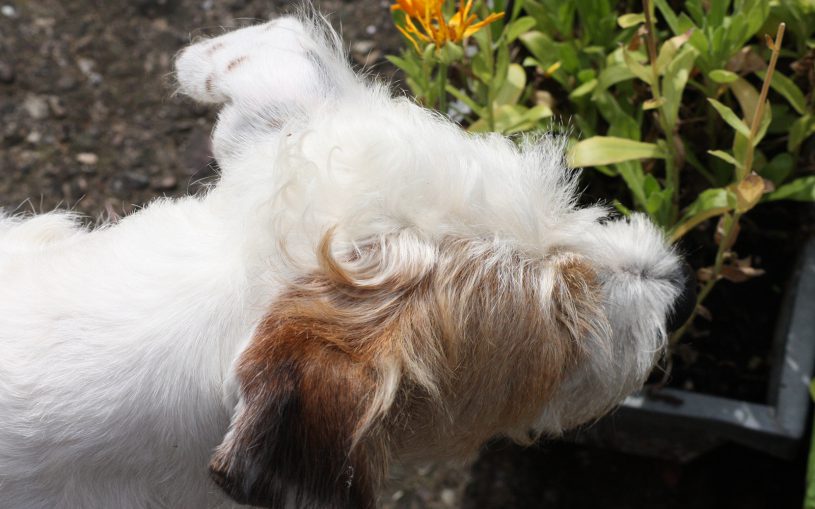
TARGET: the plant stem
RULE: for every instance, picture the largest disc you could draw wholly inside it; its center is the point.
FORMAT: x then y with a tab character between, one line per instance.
721	253
651	43
442	88
759	112
674	161
490	86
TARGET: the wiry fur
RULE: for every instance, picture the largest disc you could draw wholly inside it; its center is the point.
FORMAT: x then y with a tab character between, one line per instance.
366	282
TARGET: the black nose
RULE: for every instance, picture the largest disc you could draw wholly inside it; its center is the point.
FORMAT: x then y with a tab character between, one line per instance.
683	307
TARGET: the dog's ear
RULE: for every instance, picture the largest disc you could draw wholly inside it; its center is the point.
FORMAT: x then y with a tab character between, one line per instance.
265	75
296	434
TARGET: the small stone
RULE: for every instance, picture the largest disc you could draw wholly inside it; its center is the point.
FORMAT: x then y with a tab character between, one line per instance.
33	137
8	11
448	497
86	65
7	74
363	47
57	106
36	107
88	158
370	29
167	183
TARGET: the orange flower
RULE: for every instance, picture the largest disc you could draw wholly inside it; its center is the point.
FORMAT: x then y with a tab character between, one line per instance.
425	22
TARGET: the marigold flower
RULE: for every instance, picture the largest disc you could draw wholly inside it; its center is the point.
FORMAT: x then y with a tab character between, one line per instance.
425	22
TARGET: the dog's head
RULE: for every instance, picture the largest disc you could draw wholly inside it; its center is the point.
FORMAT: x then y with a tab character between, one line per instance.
440	289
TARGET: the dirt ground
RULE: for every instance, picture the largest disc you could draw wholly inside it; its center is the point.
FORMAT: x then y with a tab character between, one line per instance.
89	122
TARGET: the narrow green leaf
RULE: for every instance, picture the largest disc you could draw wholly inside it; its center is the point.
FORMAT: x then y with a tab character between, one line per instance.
652	104
461	96
639	70
513	85
669	15
584	89
630	20
787	88
669	49
673	84
730	117
802	129
724	156
747	96
766	118
518	27
542	47
722	76
710	203
801	189
607	150
408	66
612	75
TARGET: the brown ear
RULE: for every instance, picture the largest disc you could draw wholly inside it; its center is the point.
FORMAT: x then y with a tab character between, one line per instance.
293	437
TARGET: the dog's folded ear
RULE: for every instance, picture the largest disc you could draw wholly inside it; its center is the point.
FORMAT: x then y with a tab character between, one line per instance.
296	434
265	75
285	61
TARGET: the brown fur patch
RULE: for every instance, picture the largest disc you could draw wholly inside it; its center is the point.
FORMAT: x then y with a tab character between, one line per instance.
385	351
303	399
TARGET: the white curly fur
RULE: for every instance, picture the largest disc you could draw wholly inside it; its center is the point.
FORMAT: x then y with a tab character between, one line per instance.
117	343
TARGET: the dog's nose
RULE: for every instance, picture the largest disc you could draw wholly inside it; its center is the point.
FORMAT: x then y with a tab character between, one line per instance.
683	307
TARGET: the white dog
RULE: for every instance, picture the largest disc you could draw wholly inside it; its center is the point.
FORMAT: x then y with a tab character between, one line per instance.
366	283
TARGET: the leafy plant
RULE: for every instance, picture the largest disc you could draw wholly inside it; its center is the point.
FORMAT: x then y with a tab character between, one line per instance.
488	88
632	90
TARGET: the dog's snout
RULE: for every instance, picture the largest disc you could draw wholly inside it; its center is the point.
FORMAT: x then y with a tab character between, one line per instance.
686	301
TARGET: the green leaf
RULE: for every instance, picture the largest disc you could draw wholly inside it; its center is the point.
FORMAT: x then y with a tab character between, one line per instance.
658	200
669	49
512	87
673	84
778	169
652	104
802	129
725	157
461	96
607	150
722	76
542	47
730	117
612	75
529	119
639	70
451	52
801	189
410	67
787	88
630	20
766	118
518	27
747	96
584	89
502	71
709	203
670	16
